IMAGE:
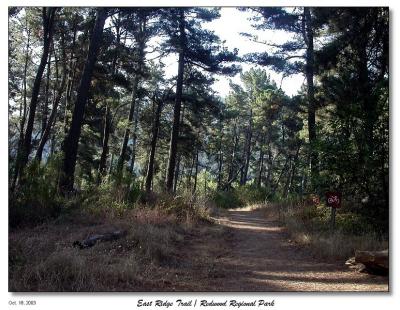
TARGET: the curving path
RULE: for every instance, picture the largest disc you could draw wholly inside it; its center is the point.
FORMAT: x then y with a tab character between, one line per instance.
254	255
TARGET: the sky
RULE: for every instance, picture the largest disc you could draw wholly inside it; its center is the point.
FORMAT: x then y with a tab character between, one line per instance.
228	27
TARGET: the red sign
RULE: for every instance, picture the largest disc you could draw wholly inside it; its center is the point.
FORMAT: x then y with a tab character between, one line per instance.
333	199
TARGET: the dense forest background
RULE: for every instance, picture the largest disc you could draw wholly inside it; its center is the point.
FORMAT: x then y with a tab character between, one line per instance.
94	122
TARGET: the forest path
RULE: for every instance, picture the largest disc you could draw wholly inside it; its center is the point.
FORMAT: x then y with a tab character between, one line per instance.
254	254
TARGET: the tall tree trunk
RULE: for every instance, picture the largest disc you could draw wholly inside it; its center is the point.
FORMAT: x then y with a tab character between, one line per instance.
22	111
189	175
134	139
365	97
365	140
231	172
179	157
105	147
275	187
270	164
312	136
141	41
71	77
45	107
107	114
177	106
248	149
70	146
56	101
68	97
196	171
220	163
293	170
177	173
220	153
153	145
52	145
288	178
110	168
48	15
205	179
261	163
125	140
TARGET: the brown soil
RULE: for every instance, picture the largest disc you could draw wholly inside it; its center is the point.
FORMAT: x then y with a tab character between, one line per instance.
247	252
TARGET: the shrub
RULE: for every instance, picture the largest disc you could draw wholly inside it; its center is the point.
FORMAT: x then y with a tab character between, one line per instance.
250	194
309	224
185	208
37	198
112	198
226	199
351	223
239	197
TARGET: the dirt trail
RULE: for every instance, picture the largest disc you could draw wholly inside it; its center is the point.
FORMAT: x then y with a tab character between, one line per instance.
254	255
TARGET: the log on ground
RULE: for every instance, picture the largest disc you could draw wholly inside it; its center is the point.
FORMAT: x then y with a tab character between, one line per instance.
376	262
92	240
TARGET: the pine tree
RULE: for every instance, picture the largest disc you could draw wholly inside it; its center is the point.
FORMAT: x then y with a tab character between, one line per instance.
138	25
197	47
70	145
48	16
302	23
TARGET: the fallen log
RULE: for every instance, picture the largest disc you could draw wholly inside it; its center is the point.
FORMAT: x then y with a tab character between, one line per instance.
92	240
376	262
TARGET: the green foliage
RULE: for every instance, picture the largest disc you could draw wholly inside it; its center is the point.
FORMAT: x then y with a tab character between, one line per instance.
354	224
226	199
117	195
315	218
239	196
37	199
184	208
309	224
175	205
251	194
252	146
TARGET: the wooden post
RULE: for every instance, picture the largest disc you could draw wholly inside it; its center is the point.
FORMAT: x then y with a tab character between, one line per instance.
333	218
333	200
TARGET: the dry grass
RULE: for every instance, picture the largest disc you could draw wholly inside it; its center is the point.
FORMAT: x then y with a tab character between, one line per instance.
43	259
323	243
337	244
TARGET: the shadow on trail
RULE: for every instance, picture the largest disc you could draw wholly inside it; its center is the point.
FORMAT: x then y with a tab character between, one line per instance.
261	259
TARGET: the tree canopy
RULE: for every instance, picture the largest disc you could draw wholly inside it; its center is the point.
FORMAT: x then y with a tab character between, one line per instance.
91	105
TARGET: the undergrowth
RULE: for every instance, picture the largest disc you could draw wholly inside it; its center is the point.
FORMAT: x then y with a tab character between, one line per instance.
239	197
43	258
308	224
45	224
